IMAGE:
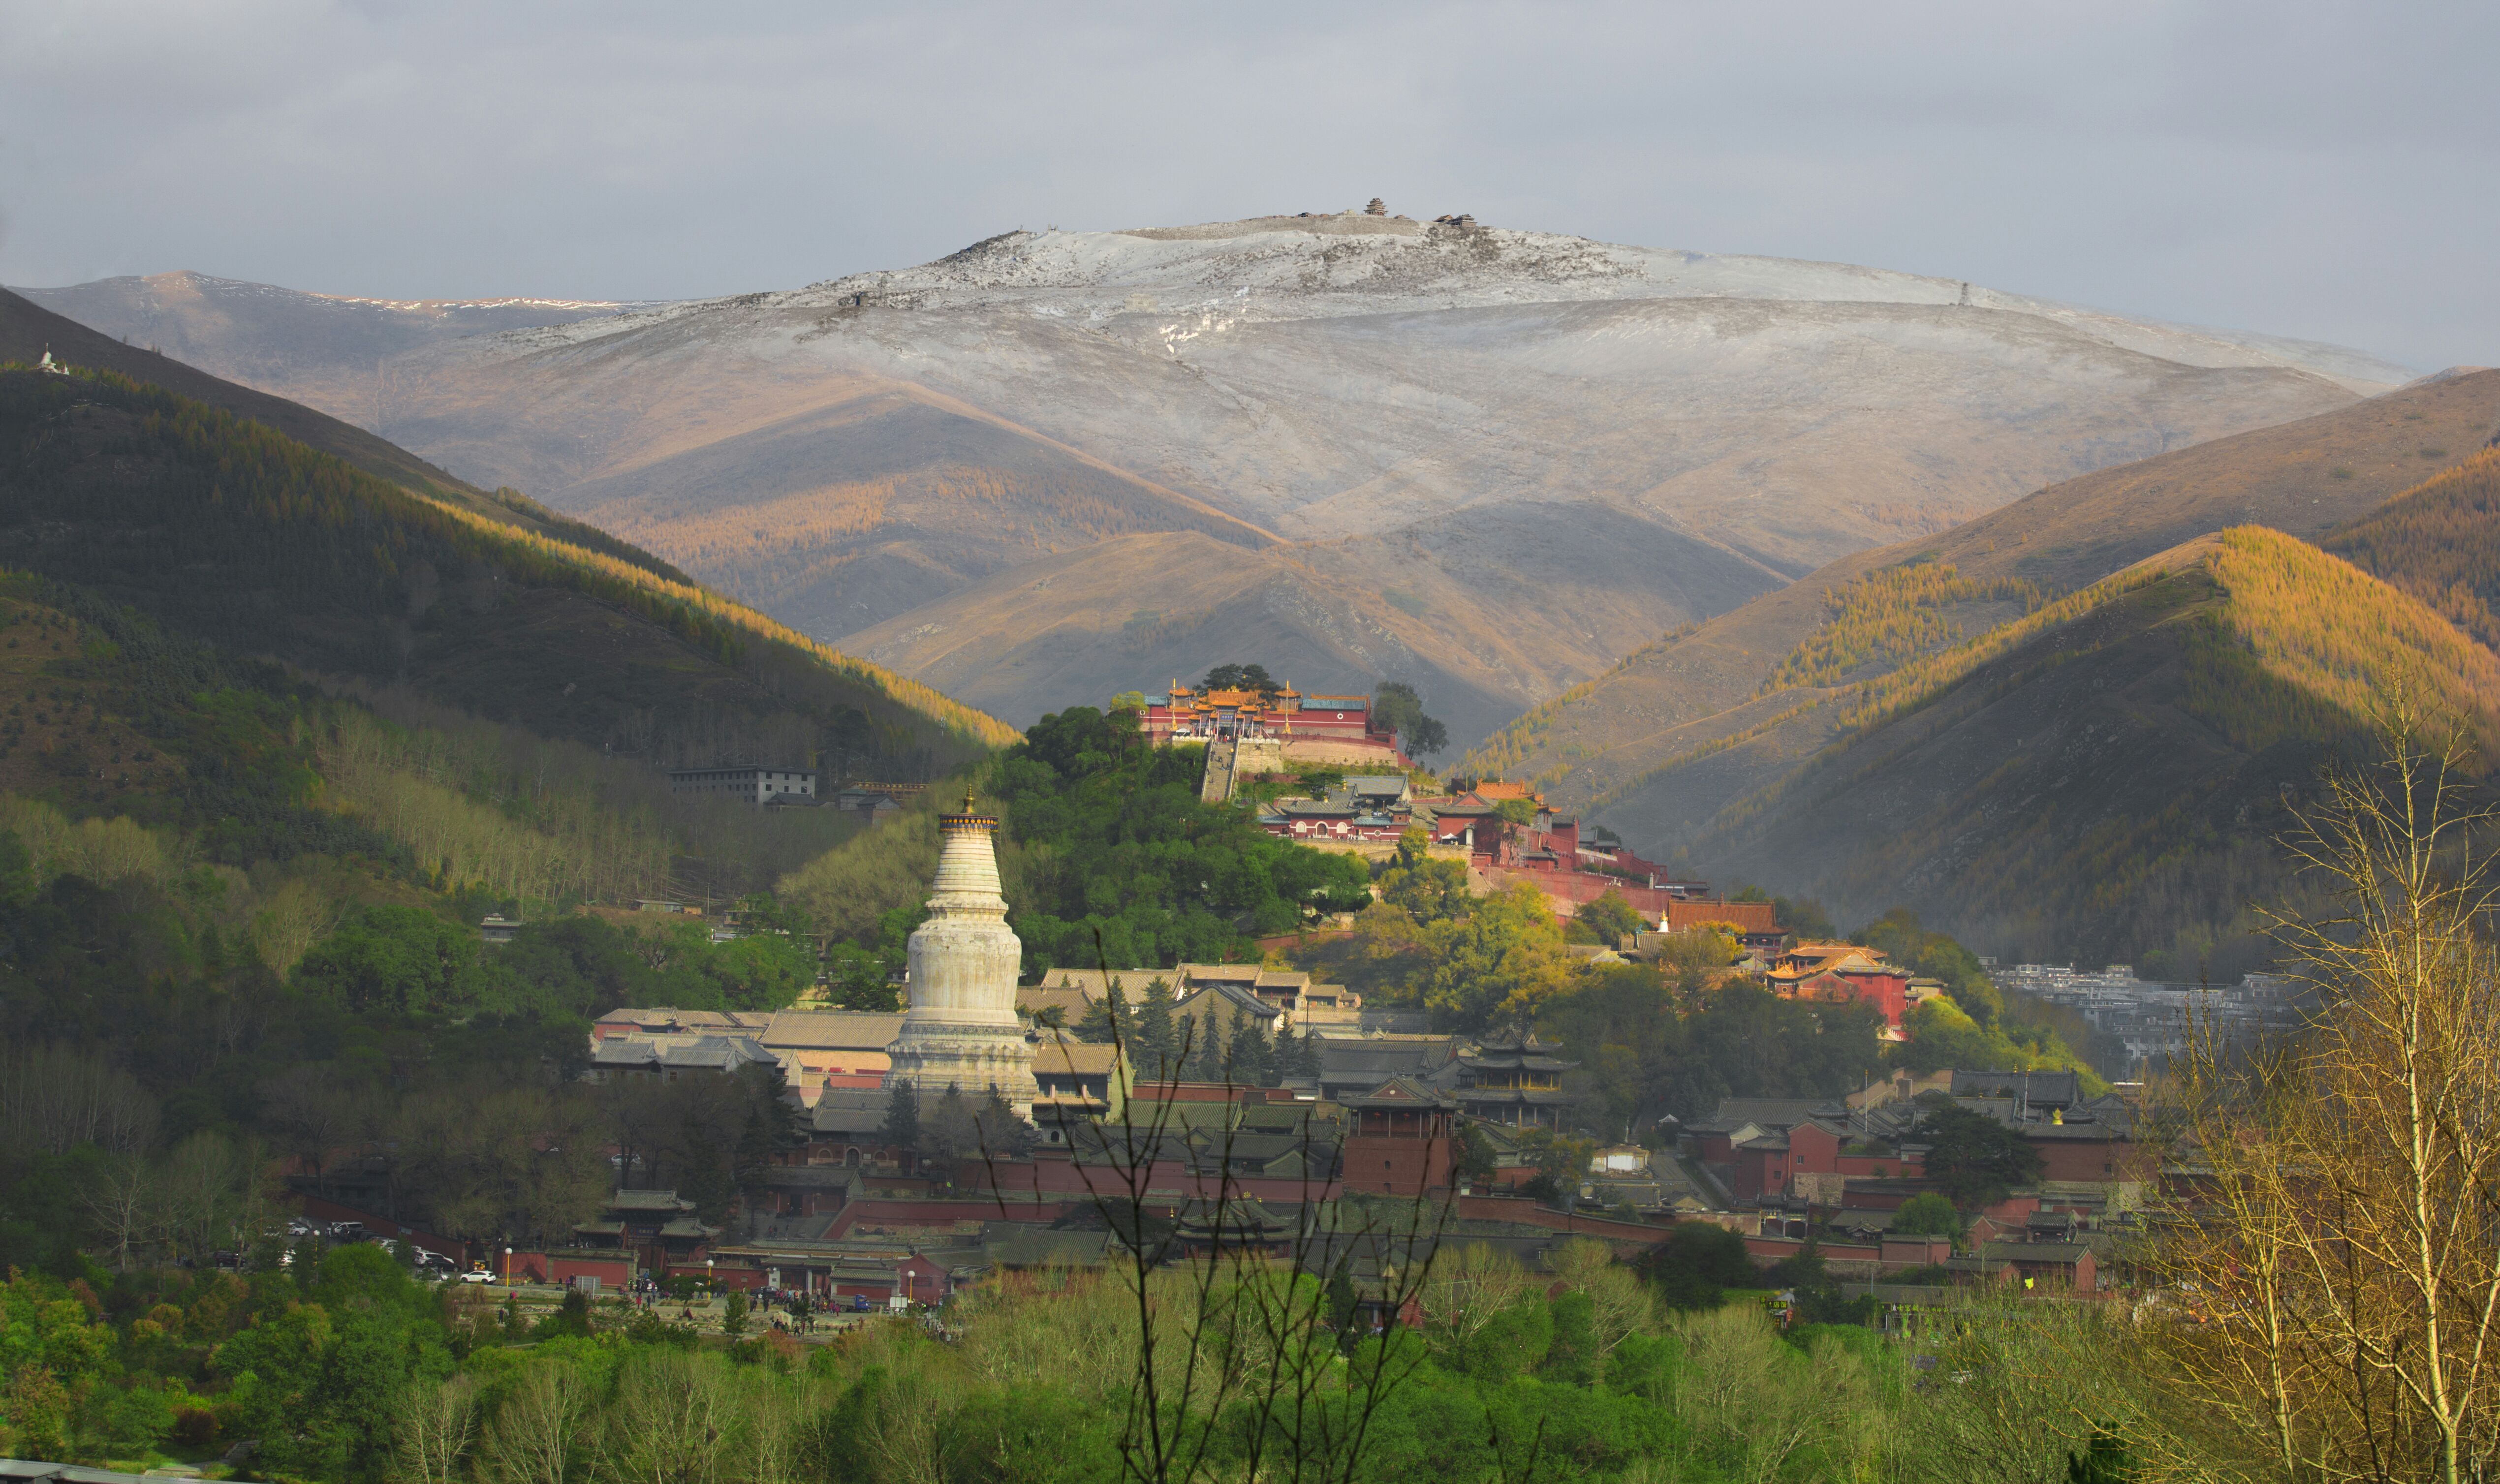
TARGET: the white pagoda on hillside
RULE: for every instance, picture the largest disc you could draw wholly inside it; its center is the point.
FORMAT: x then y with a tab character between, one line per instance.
960	1029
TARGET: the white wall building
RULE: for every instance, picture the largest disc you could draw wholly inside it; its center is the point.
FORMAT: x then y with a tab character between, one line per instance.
754	785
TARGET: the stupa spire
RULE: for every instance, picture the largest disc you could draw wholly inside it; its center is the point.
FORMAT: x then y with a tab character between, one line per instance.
960	1029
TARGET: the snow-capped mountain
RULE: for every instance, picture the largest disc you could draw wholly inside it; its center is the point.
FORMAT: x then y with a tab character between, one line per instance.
1057	465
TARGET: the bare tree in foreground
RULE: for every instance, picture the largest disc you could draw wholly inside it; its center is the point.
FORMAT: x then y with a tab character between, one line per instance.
1235	1325
2339	1264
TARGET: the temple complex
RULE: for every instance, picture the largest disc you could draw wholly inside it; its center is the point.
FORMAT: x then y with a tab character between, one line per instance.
960	1028
1284	714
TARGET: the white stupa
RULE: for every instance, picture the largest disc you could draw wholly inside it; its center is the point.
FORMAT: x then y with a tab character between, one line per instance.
960	1029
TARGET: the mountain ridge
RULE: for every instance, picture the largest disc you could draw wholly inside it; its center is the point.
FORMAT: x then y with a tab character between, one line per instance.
225	529
1607	746
2100	782
1617	439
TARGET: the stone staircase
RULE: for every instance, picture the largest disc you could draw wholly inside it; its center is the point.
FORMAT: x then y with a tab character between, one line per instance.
1217	787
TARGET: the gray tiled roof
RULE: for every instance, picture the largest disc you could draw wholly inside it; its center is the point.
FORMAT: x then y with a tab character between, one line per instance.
797	1030
851	1110
647	1201
2059	1089
1734	1113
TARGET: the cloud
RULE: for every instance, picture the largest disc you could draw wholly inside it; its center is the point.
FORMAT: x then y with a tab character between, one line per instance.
2303	169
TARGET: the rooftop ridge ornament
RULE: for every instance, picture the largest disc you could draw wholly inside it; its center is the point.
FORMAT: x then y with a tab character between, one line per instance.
967	819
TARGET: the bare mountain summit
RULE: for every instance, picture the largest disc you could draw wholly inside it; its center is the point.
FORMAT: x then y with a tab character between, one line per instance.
1056	465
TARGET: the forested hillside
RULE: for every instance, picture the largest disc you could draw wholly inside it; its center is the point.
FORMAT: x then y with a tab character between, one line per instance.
1109	857
2101	780
28	331
2441	542
230	532
1712	712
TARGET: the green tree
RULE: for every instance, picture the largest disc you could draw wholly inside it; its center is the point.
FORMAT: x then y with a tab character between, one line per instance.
1501	962
1103	1022
1397	706
1155	1040
949	1130
1927	1214
1513	1343
1571	1355
1906	942
1609	919
1474	1160
1973	1157
902	1127
1429	890
395	959
1242	678
856	980
1696	1265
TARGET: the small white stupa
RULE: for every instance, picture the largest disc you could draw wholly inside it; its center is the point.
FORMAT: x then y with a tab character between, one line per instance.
960	1029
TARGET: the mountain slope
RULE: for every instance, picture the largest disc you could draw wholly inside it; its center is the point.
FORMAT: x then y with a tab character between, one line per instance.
325	350
1648	744
1637	438
28	331
226	530
2441	542
2100	782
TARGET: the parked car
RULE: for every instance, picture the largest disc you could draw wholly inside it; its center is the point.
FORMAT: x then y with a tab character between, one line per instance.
477	1276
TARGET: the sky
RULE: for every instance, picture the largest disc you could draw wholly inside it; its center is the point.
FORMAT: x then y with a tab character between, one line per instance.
2324	170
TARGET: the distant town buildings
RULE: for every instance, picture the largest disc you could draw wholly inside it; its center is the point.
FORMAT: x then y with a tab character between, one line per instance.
2148	1020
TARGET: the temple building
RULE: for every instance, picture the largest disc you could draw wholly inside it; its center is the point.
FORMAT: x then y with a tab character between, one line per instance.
960	1028
1184	714
1517	1081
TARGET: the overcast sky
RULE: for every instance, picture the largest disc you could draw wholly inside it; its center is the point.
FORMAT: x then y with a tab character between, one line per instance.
2330	171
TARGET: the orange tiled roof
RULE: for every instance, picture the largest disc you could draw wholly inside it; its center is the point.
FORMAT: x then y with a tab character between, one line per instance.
1745	916
1833	952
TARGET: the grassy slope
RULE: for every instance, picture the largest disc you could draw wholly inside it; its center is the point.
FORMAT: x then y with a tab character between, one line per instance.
2100	780
227	530
1604	744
